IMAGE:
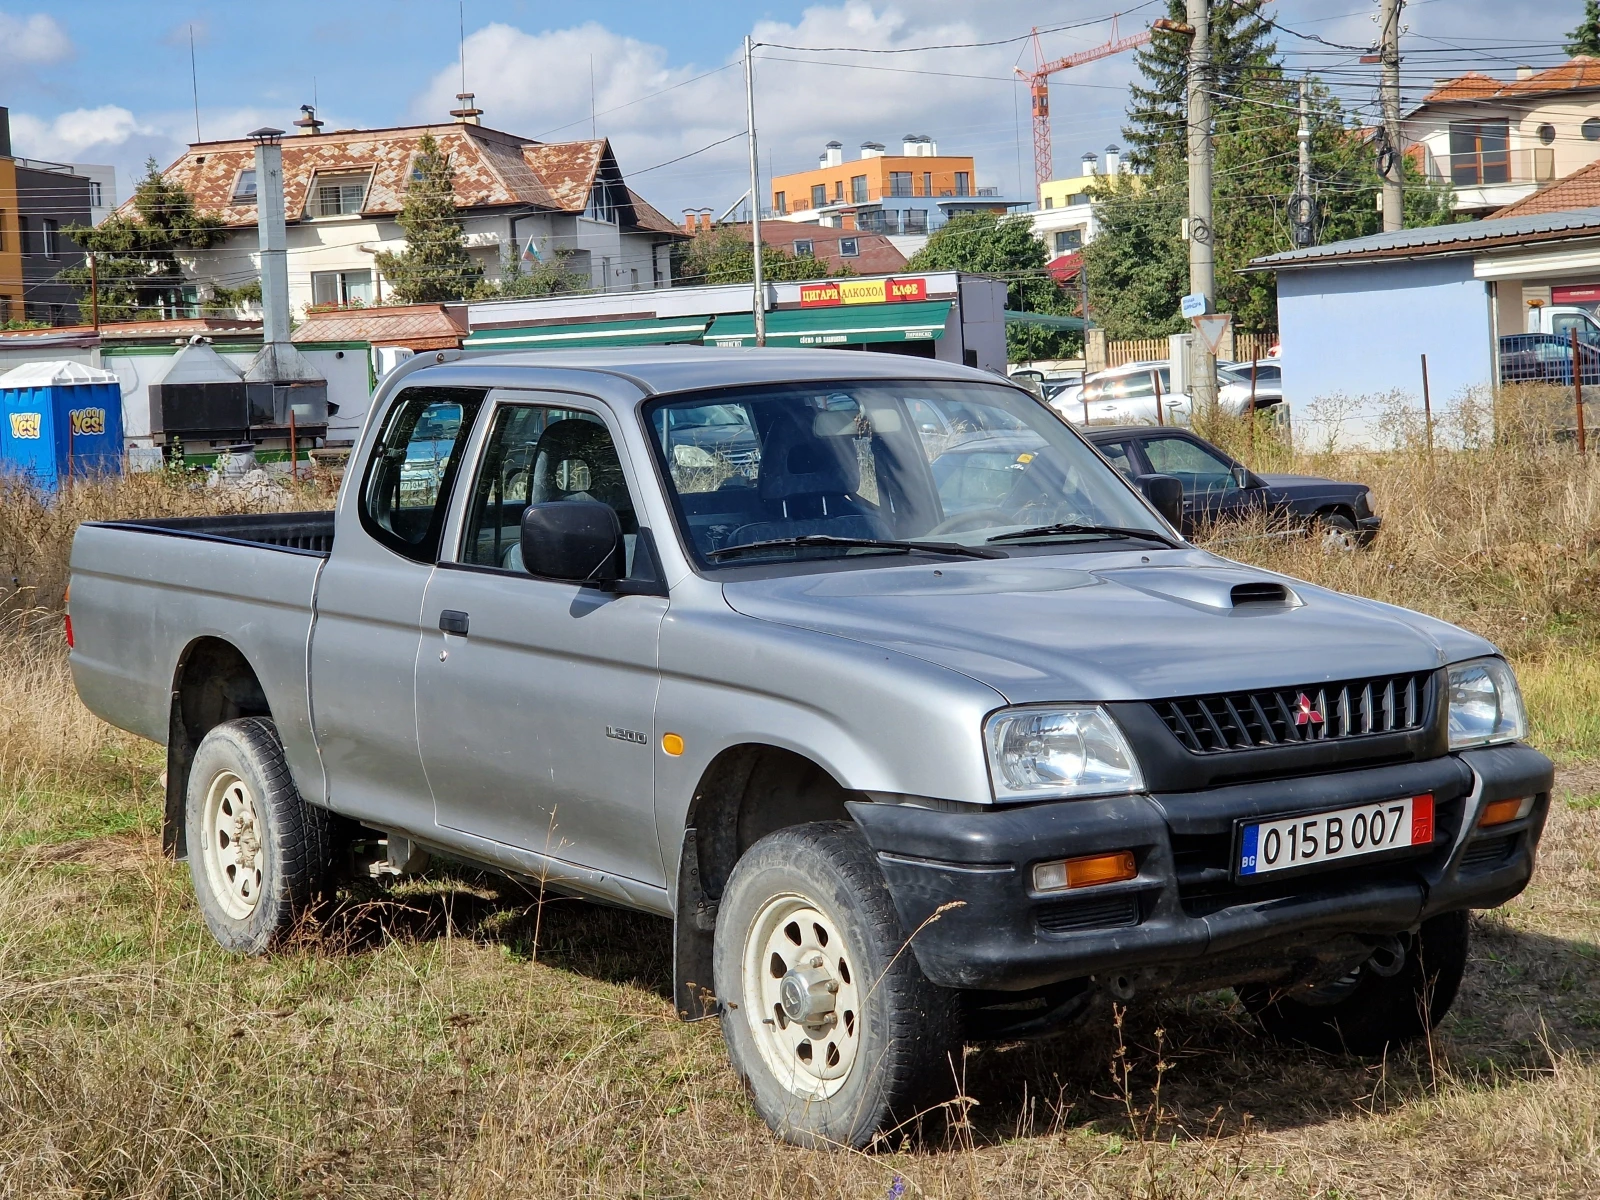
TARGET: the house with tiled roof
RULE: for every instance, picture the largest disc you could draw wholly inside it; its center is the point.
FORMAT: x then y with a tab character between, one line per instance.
1498	141
343	192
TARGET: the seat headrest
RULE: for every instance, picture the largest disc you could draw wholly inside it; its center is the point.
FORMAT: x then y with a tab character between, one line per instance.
574	441
796	462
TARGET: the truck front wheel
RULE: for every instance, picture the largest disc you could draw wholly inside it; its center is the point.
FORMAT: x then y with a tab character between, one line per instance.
257	851
829	1020
1376	1005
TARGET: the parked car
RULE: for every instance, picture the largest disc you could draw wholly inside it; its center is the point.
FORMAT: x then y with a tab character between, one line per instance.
1126	395
1219	487
902	773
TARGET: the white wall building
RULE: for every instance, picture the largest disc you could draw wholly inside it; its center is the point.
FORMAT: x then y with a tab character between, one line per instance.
343	193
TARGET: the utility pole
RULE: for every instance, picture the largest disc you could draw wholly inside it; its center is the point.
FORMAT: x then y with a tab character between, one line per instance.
1202	252
1391	160
1302	208
758	308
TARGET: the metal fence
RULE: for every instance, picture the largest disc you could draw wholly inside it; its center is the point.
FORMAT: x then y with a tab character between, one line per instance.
1547	358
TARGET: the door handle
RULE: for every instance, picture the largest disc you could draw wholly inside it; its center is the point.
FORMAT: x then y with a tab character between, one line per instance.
453	620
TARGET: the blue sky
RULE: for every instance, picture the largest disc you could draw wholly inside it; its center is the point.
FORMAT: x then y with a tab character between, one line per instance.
109	81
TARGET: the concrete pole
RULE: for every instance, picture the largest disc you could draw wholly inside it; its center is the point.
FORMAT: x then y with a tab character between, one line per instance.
758	308
1202	252
1393	191
1306	225
271	236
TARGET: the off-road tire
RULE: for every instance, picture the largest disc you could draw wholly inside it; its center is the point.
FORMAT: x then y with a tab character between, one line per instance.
294	839
907	1060
1377	1012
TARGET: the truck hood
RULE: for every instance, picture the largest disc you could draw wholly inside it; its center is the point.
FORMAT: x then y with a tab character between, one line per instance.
1296	485
1120	626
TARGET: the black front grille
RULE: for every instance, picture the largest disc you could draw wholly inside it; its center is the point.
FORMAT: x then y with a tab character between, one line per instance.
1489	852
1295	715
1109	913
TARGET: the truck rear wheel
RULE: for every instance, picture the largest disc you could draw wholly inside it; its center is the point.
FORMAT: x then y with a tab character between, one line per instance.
828	1019
1368	1010
258	853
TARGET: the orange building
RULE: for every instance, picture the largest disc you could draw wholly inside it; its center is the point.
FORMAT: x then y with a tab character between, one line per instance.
11	306
909	193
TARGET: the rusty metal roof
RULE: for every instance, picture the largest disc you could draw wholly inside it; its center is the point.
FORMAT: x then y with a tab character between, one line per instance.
1467	237
419	326
491	169
177	327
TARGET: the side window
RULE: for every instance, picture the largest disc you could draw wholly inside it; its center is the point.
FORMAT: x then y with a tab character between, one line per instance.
537	454
1117	453
413	468
1132	386
1200	470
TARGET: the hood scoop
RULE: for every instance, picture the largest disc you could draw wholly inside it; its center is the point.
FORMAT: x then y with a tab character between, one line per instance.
1209	589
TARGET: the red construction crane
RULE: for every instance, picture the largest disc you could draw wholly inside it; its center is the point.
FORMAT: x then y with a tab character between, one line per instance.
1039	83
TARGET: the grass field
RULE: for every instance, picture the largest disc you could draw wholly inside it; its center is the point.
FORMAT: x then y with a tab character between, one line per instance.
418	1041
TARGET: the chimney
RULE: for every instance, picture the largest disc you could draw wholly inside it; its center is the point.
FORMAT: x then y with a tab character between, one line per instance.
930	148
908	146
1524	72
689	220
468	113
1091	163
5	132
308	124
872	149
705	218
832	155
1113	160
271	236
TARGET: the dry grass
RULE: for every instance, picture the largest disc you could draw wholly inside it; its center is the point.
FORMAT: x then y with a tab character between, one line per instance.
410	1044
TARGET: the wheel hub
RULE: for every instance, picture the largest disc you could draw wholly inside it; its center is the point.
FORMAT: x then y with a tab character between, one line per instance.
808	993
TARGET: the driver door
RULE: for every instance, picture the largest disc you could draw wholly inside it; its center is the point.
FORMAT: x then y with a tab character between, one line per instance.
1210	491
536	697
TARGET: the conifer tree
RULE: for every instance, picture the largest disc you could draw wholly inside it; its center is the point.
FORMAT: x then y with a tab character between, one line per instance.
435	265
1585	39
138	257
1242	52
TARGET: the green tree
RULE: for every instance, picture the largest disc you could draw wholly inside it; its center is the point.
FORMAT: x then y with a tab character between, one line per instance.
722	255
550	276
987	244
435	265
139	257
1585	39
1138	265
1241	52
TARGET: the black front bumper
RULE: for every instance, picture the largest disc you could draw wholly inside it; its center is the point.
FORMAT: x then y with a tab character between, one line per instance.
962	882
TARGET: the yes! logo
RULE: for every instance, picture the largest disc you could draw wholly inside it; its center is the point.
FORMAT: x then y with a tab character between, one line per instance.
86	422
25	426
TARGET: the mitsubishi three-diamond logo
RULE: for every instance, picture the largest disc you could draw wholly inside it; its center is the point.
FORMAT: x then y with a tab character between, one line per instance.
1306	712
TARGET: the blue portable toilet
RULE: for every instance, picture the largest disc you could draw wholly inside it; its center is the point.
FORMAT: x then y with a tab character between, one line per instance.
60	420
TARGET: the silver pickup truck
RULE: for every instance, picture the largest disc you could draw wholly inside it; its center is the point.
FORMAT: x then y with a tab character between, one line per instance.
912	746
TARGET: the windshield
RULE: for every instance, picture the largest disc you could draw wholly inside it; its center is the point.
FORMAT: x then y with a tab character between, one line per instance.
797	472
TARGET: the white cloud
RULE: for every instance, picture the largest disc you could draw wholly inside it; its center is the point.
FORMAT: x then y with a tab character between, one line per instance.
32	41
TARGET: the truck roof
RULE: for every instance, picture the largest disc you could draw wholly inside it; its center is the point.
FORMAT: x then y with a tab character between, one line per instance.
681	368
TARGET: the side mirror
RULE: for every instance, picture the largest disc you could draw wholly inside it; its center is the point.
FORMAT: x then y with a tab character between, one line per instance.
1245	480
576	540
1165	494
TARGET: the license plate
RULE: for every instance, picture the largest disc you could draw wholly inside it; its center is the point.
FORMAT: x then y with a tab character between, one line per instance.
1345	833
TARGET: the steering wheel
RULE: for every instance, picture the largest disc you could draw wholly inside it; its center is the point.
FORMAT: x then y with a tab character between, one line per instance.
978	518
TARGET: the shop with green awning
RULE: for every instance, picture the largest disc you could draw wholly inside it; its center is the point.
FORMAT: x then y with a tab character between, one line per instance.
583	335
860	325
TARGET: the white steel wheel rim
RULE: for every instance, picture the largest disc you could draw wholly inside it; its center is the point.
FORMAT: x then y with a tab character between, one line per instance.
812	1057
231	845
1336	540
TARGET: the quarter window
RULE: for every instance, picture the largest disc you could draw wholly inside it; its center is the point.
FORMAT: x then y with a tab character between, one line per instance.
413	468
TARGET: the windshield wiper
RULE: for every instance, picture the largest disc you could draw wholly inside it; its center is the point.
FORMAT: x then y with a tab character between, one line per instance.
823	539
1110	531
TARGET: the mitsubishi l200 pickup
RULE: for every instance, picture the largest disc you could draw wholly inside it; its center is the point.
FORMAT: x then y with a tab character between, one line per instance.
700	633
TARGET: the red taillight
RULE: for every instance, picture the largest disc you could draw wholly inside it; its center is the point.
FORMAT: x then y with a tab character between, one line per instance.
67	620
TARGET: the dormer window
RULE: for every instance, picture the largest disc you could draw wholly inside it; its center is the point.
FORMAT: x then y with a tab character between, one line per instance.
244	187
338	195
602	204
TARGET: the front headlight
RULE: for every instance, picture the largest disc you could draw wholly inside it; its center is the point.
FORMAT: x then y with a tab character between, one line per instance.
1072	750
1485	705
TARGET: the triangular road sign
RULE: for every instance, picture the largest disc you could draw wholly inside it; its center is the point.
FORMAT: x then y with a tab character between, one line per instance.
1213	328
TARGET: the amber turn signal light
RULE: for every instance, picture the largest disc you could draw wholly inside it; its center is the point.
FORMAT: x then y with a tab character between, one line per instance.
1084	872
1499	812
